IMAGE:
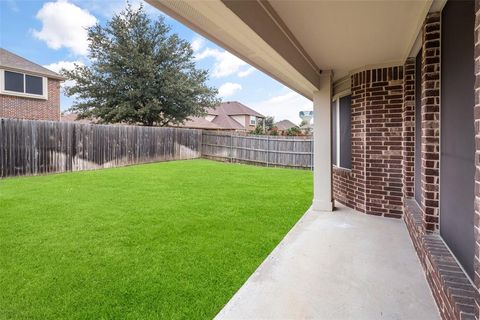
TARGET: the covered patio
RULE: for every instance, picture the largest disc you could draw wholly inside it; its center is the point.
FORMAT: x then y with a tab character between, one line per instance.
334	266
393	90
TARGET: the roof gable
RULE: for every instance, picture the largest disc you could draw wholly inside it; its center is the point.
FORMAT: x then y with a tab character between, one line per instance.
233	108
9	60
285	125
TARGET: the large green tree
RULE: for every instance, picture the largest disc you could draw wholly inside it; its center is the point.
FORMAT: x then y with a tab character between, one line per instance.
139	73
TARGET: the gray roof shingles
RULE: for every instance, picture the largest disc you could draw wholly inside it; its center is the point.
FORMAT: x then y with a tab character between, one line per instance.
285	125
232	108
10	60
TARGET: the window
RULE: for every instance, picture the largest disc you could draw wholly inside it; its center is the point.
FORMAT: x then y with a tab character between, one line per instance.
20	84
14	81
457	132
341	132
253	120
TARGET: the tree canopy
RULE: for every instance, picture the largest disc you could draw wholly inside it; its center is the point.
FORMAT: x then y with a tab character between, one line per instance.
140	73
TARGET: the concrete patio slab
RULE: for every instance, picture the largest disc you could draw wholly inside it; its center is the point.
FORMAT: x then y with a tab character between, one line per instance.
341	265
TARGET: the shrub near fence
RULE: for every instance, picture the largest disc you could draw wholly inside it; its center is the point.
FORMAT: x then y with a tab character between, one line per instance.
37	147
260	150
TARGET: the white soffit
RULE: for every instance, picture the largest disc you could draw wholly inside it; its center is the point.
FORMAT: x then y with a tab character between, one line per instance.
347	35
213	20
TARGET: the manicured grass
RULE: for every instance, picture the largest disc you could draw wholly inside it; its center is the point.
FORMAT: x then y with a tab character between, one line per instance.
168	240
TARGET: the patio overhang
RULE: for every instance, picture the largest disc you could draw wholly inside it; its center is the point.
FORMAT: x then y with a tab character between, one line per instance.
313	47
293	41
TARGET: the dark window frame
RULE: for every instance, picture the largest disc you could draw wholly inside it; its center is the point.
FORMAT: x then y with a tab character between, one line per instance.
341	127
33	86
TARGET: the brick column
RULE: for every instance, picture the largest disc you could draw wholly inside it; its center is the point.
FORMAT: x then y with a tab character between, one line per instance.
430	121
408	137
477	157
377	128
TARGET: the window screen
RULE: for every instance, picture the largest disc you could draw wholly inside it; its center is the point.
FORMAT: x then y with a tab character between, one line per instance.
14	81
334	132
457	141
342	132
345	132
34	85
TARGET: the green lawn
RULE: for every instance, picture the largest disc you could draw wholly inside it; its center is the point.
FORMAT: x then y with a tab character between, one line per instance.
167	240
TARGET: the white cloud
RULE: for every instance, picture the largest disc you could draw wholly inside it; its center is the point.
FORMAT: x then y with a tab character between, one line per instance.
197	44
284	106
225	63
67	65
244	73
108	8
64	25
229	89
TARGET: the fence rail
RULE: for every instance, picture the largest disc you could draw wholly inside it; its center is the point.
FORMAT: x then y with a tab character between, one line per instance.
37	147
266	150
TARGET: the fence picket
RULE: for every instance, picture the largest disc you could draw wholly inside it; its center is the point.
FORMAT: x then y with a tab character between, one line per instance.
285	151
35	147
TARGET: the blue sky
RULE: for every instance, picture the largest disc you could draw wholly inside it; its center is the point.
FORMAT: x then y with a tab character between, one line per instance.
51	33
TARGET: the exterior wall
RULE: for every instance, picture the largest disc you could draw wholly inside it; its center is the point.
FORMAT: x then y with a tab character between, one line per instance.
456	297
377	128
381	180
452	291
408	137
431	120
343	186
33	109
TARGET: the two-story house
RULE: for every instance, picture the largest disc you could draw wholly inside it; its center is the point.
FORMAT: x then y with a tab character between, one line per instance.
28	90
227	116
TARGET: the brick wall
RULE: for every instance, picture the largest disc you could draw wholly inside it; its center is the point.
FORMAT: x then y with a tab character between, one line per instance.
430	120
33	109
408	137
374	185
343	187
452	291
454	294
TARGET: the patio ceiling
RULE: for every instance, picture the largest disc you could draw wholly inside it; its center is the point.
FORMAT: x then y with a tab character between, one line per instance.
293	41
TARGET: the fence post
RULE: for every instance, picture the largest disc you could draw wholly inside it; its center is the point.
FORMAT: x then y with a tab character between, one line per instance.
268	150
231	147
311	154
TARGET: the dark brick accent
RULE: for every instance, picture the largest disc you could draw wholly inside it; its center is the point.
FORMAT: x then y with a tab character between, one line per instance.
453	292
430	120
374	185
343	187
33	109
408	136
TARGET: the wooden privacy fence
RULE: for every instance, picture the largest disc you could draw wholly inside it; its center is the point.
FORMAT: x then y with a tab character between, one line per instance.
36	147
262	150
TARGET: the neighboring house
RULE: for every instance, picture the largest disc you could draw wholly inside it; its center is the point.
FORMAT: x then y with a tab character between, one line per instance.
283	126
234	115
231	116
202	123
28	90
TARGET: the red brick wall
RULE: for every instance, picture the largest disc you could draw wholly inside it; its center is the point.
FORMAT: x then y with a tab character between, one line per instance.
374	185
408	136
343	187
33	109
430	120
